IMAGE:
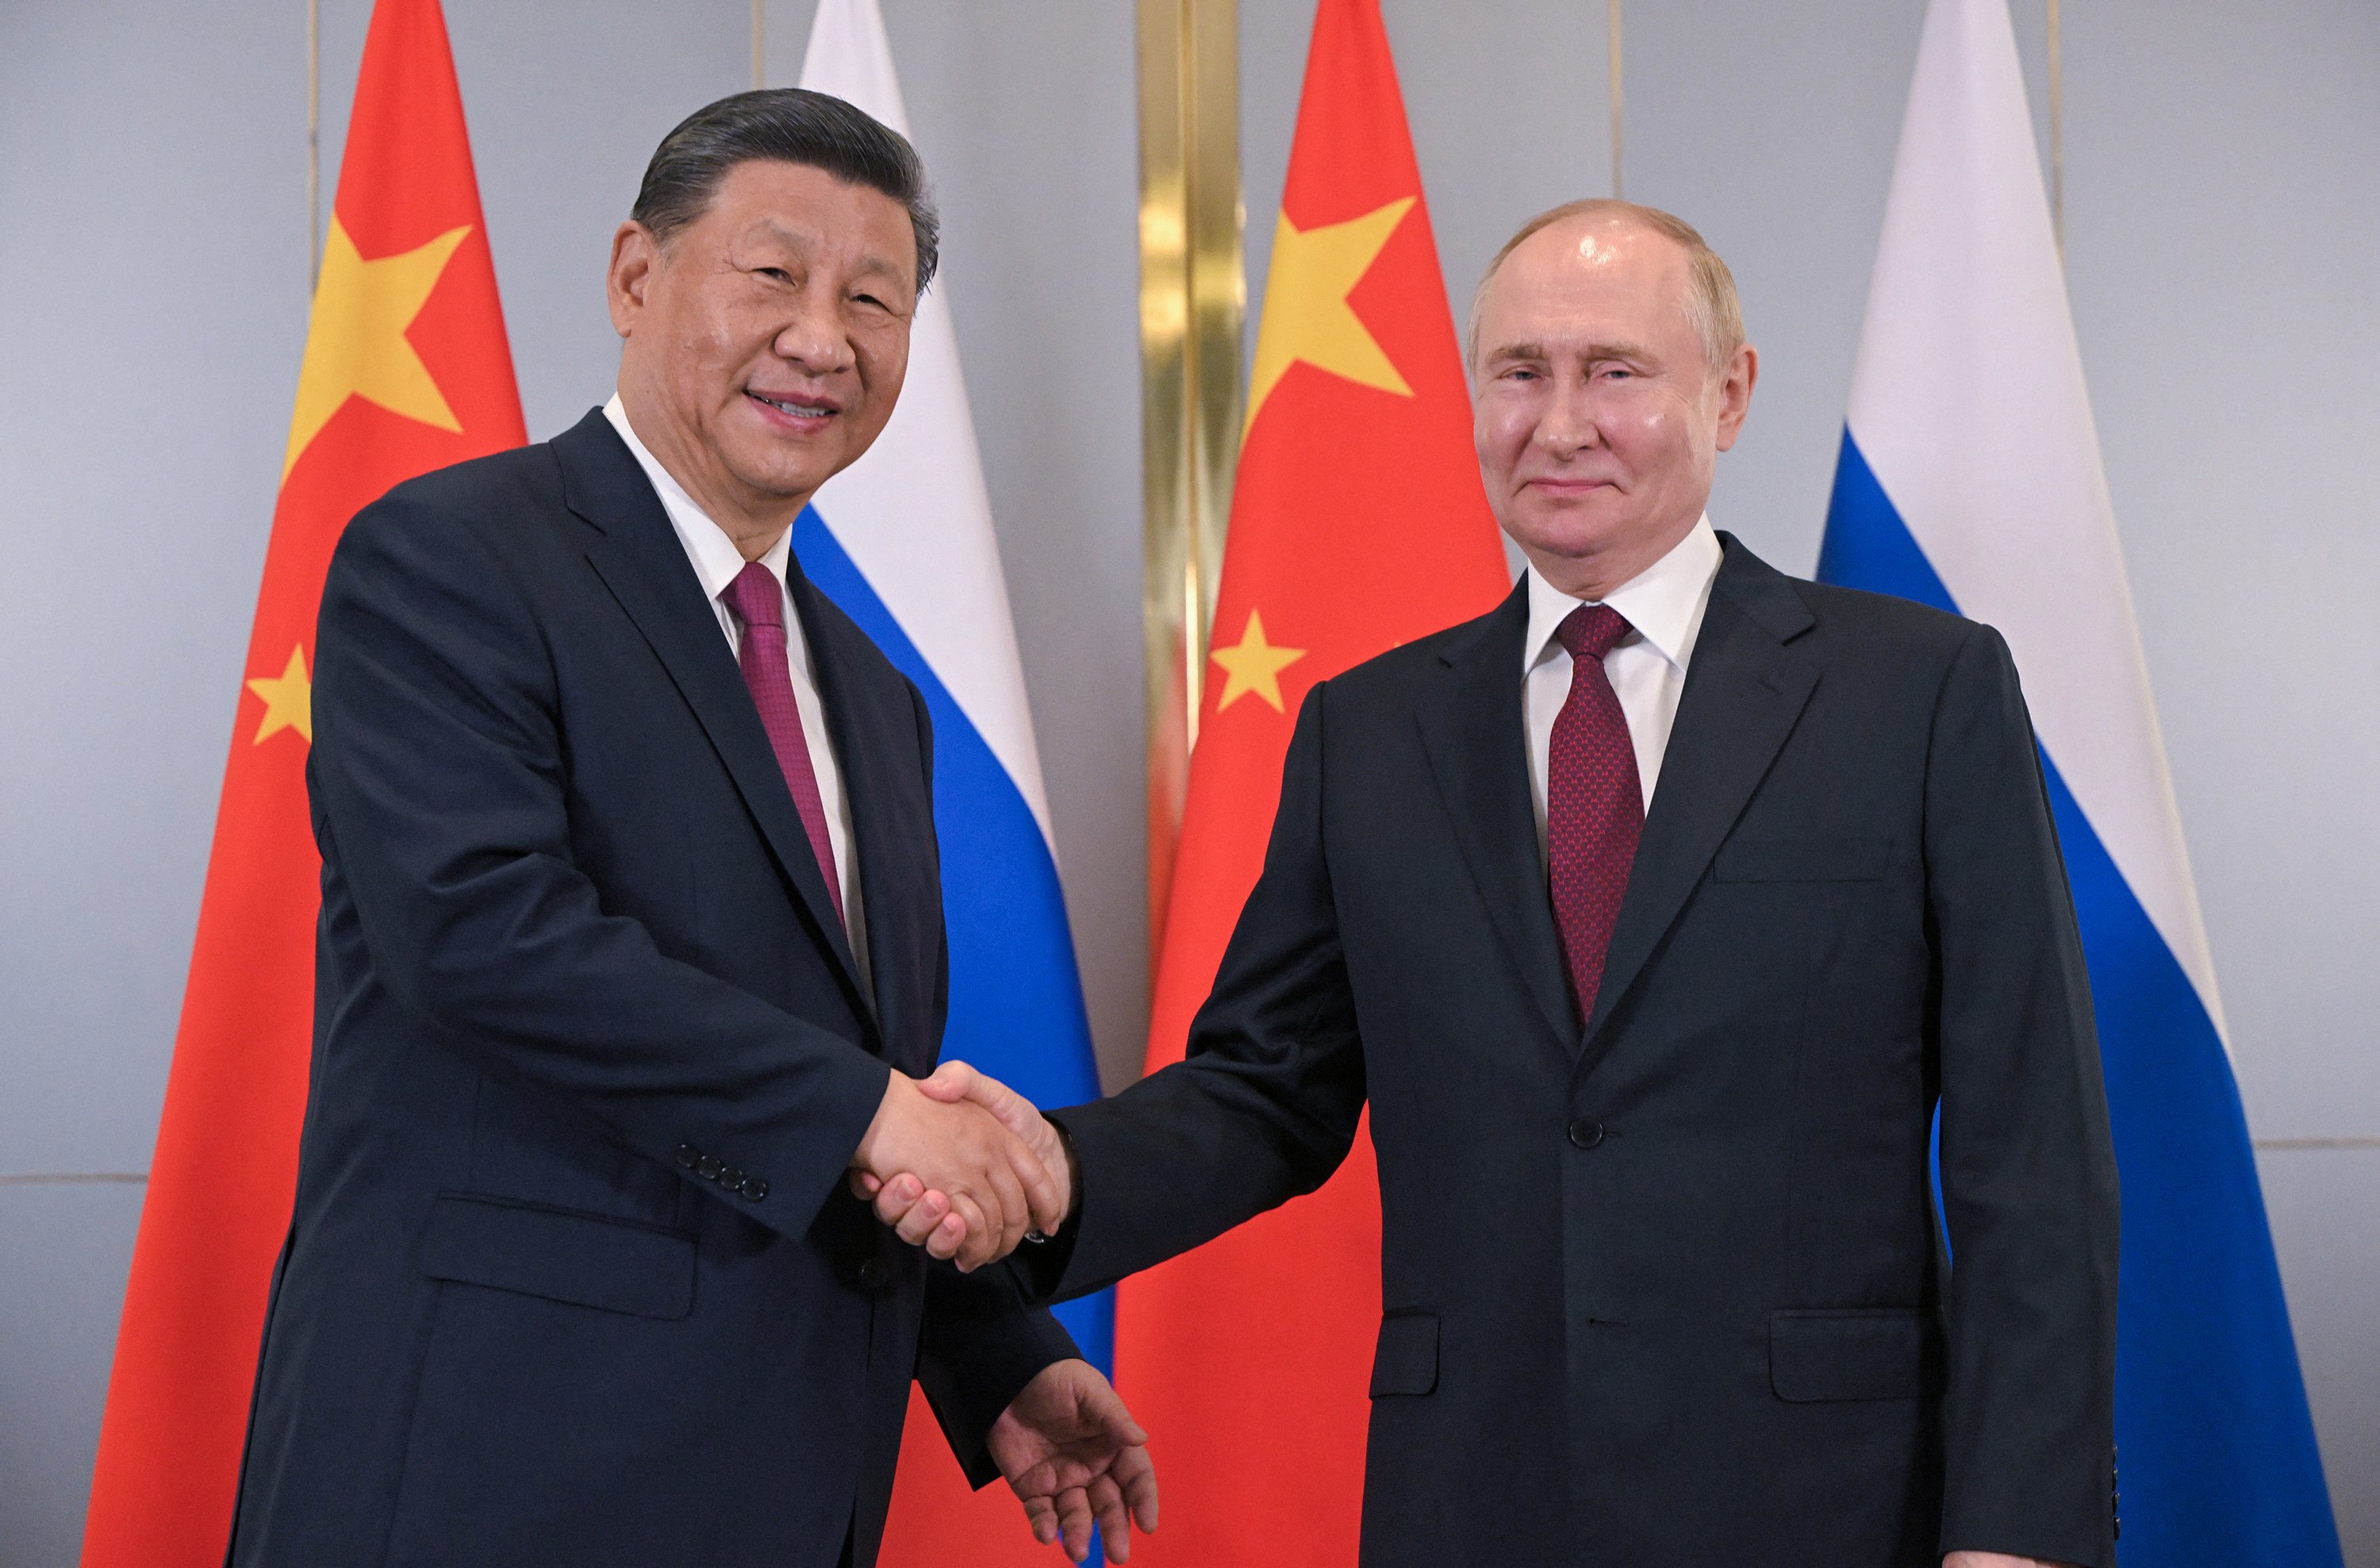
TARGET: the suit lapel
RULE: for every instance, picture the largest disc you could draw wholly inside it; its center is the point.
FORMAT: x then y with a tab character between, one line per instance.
873	725
1478	752
1745	691
638	554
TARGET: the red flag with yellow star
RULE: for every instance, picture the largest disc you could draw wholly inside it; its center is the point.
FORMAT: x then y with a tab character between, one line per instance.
1358	523
405	369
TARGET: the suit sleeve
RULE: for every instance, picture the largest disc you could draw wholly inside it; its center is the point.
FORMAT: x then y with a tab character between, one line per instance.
982	1344
2028	1169
441	792
1267	1101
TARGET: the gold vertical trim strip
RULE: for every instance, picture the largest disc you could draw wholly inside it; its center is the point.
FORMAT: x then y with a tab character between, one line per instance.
1164	446
1611	30
2057	135
1219	301
759	44
1193	308
313	148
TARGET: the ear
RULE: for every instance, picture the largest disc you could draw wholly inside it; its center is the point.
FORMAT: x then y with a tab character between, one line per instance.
1735	392
635	256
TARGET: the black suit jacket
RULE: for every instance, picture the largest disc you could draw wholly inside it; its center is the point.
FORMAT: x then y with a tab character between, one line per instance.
572	1276
1664	1286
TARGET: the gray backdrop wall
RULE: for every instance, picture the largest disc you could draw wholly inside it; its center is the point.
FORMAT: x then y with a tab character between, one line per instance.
2222	226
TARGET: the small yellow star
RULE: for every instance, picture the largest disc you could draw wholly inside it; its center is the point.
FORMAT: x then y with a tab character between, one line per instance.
357	344
288	699
1254	665
1305	312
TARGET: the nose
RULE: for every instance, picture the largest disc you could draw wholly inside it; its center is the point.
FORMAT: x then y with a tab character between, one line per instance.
1568	425
812	336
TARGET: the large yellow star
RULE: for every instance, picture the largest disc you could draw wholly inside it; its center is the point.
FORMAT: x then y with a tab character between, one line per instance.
1254	665
357	346
1305	312
288	700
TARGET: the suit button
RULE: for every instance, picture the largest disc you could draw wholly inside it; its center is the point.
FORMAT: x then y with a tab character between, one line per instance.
754	1188
708	1168
1585	1134
688	1156
875	1274
731	1177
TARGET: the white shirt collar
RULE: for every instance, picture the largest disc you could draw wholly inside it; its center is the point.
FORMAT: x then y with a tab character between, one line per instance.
716	560
1664	602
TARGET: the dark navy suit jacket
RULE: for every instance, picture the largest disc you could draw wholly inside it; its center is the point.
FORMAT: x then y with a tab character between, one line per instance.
1662	1285
573	1277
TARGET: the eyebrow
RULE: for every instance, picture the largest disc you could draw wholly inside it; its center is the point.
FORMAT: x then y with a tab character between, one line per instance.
1595	351
802	240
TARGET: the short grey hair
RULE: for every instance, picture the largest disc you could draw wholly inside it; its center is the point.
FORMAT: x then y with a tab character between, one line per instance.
1711	305
787	125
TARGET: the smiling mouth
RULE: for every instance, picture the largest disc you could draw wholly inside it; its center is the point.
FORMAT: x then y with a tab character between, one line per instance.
793	409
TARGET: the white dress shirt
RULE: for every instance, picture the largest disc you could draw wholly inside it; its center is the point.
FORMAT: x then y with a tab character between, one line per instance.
717	562
1664	604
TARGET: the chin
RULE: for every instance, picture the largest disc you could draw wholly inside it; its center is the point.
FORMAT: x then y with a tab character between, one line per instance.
783	467
1569	536
786	483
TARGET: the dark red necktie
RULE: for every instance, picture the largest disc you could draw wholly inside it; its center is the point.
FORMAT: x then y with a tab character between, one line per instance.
1595	804
759	602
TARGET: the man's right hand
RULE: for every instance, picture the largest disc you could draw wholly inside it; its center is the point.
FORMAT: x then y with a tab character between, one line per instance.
951	1178
955	1083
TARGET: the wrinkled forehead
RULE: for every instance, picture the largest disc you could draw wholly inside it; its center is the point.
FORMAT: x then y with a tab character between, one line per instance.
804	209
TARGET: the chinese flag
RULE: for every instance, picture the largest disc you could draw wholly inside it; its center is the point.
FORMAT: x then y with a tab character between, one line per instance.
1358	524
405	371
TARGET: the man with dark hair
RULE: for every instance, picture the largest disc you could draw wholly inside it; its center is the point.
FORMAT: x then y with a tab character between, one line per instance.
631	946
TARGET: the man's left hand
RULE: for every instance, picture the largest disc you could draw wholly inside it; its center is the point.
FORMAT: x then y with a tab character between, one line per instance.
1997	1560
1074	1454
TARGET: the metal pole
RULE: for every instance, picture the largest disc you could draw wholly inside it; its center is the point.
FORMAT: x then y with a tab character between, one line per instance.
1611	24
2057	135
1193	306
313	147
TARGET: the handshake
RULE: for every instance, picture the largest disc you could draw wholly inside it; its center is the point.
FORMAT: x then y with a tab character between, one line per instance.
965	1167
962	1165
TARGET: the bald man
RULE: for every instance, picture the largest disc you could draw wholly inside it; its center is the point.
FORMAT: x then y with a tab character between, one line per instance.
1654	914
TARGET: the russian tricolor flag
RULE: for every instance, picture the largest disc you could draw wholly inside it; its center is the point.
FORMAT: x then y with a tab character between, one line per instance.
1971	480
903	542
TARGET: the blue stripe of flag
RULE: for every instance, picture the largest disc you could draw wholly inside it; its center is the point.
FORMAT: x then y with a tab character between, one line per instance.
2216	1446
1016	1000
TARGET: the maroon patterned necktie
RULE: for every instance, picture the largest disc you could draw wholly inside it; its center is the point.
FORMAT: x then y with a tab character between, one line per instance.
759	602
1595	805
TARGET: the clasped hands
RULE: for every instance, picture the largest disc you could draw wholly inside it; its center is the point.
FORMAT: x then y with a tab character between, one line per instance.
965	1167
961	1165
